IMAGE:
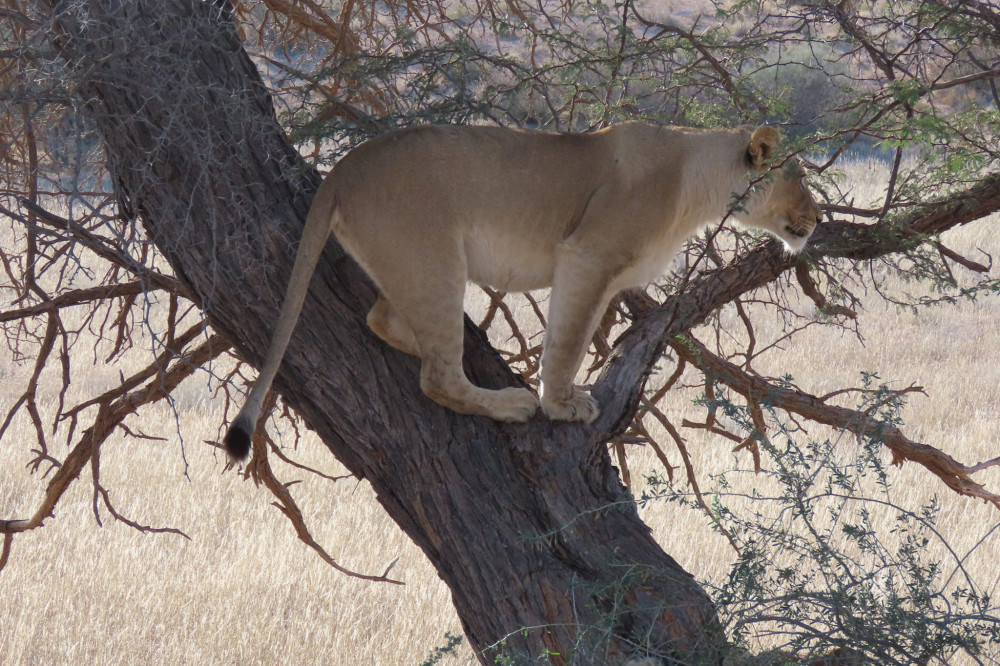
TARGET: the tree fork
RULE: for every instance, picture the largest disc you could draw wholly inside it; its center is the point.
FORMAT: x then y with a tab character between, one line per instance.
528	524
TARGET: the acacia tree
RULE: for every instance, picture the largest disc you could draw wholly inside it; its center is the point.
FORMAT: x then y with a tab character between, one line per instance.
197	191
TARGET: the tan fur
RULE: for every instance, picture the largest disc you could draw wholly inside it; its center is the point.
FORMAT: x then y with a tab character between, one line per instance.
425	210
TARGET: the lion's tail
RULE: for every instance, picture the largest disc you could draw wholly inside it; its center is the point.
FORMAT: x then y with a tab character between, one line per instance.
319	222
238	437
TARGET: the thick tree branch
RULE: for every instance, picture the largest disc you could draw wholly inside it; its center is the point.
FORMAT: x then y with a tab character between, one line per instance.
955	475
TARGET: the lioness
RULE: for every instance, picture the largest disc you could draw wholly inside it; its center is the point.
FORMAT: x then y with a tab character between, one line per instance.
424	210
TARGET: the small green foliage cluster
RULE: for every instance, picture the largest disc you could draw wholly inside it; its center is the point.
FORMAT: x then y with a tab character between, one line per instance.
450	647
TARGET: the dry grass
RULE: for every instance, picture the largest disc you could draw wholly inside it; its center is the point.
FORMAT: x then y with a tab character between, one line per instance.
245	590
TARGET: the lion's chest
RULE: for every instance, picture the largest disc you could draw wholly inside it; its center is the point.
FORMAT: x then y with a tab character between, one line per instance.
508	262
649	261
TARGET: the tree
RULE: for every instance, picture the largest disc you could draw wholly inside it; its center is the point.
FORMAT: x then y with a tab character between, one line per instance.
205	179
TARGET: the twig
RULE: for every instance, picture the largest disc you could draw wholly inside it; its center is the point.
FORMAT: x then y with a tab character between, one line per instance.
27	398
260	470
8	539
497	304
99	490
810	289
305	468
97	245
692	480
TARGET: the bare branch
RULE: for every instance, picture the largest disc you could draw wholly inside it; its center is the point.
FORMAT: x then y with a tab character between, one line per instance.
157	366
109	416
27	399
102	249
810	289
259	468
305	468
954	474
959	259
8	539
95	466
86	296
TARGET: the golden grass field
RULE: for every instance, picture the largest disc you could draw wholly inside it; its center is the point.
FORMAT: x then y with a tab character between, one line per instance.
245	590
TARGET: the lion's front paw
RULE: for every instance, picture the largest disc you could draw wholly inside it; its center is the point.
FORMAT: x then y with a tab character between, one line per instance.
579	406
514	405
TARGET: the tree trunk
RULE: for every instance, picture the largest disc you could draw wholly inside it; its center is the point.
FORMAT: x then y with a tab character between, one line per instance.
527	524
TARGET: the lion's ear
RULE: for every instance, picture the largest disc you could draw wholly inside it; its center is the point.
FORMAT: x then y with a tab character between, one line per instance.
763	142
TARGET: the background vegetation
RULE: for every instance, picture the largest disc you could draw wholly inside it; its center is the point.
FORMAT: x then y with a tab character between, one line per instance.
894	107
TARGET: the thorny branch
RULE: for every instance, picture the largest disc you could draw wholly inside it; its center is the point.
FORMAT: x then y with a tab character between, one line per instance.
99	246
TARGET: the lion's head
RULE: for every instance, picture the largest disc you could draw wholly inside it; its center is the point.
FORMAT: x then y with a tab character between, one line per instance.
781	203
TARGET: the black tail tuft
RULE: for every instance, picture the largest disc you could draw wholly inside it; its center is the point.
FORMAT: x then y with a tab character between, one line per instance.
237	441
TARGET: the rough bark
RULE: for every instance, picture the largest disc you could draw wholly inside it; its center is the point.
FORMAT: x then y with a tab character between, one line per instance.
528	524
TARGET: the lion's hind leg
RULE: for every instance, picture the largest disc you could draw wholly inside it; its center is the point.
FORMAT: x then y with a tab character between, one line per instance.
391	327
428	318
443	380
